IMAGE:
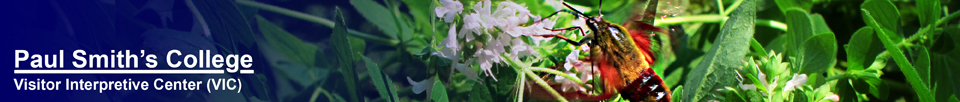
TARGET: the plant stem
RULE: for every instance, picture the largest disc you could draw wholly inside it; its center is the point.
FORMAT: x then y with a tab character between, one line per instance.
911	73
720	6
713	19
317	20
690	19
544	85
551	71
732	7
772	24
317	92
942	21
525	68
523	81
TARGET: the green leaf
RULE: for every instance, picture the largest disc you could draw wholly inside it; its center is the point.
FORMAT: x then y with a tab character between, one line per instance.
381	81
922	63
945	77
346	56
480	93
757	47
800	30
359	46
886	16
291	46
874	87
862	49
786	5
439	93
677	94
846	91
729	48
912	76
226	22
954	99
819	53
819	24
378	15
929	12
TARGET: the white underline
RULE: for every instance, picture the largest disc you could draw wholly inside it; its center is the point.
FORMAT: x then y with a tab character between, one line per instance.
206	71
246	71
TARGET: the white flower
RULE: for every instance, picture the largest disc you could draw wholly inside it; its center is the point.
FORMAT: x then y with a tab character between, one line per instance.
486	58
470	26
795	82
419	87
450	51
572	59
566	84
449	10
450	44
520	49
537	29
482	9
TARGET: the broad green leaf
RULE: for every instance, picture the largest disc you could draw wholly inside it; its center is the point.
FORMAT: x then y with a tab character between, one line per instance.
944	43
929	11
874	87
886	16
359	46
226	22
730	47
846	91
912	75
677	94
506	80
819	24
862	49
954	98
786	5
922	63
752	96
289	45
819	53
381	81
378	15
800	30
439	92
346	56
945	76
422	12
480	93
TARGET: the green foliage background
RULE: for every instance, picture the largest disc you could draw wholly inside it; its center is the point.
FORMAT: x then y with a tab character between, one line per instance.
364	50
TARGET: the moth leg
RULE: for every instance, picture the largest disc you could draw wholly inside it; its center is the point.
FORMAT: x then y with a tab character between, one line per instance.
575	43
575	13
566	29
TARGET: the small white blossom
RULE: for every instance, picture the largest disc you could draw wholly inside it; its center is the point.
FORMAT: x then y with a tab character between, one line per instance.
520	49
450	44
572	59
537	29
450	51
486	58
419	87
449	10
795	82
566	84
483	12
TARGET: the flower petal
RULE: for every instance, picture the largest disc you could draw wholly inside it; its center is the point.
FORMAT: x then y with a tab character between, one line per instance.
419	87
